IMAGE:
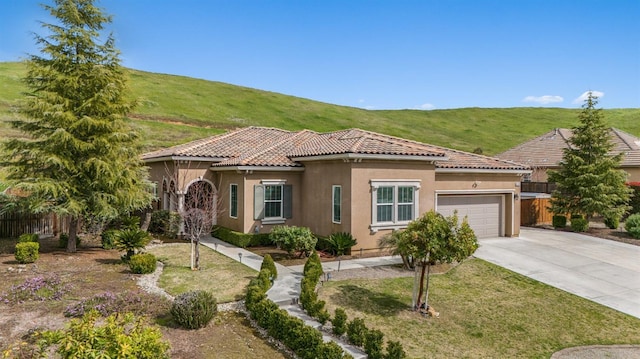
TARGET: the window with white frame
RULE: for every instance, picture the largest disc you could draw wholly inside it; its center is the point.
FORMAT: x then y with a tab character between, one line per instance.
336	210
394	203
233	200
272	201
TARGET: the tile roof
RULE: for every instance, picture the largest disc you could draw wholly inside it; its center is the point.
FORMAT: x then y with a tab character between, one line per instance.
547	150
260	146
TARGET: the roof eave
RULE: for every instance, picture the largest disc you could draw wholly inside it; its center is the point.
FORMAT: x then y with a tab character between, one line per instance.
352	156
483	170
258	168
183	158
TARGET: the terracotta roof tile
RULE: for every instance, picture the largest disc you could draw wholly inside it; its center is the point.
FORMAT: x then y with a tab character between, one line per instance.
547	150
260	146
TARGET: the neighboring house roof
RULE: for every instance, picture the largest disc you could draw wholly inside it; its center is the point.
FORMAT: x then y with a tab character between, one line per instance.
547	150
270	147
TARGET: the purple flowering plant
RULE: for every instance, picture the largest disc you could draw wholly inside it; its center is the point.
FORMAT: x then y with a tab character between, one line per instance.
38	288
108	303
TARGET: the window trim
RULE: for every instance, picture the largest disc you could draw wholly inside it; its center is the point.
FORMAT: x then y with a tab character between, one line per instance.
231	201
285	202
375	226
333	204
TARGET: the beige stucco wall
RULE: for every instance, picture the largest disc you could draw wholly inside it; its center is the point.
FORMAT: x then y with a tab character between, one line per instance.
361	201
317	182
634	174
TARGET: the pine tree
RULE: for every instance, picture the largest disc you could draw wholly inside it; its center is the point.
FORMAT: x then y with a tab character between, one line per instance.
589	180
80	157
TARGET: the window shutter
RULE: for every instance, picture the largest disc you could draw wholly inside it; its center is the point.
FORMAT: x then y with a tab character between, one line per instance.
286	201
258	201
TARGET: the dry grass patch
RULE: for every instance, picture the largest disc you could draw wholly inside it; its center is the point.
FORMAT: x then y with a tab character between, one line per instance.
485	312
224	277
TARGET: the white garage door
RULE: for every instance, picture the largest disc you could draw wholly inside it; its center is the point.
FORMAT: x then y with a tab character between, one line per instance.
484	212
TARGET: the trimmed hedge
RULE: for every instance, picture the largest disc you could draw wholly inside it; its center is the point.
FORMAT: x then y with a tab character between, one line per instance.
29	237
305	341
27	252
269	265
559	221
242	240
143	263
579	224
632	225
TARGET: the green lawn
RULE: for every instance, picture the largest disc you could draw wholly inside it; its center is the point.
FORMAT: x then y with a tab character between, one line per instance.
225	278
485	312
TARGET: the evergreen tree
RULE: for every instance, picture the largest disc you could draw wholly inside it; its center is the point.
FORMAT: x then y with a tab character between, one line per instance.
589	180
80	157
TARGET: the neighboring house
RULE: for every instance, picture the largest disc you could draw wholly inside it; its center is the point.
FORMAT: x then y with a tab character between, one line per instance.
352	181
545	152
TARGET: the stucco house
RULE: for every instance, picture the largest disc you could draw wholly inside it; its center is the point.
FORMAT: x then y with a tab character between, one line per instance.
353	181
545	152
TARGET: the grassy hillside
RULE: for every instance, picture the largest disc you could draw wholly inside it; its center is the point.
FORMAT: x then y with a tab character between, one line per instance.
176	109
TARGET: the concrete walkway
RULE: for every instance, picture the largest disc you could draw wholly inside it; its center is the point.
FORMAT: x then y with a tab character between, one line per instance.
286	287
601	270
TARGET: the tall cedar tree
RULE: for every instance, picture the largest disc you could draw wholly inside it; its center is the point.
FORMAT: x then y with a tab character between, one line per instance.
81	158
589	180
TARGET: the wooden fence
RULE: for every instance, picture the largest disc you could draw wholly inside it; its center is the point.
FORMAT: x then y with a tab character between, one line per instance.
534	211
14	224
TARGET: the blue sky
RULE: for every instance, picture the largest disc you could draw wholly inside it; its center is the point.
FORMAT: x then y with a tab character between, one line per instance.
394	54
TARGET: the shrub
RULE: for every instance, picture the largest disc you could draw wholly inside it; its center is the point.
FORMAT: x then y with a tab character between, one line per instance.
27	252
35	289
129	222
130	240
119	336
108	238
165	222
339	322
330	350
63	240
242	240
634	200
270	266
356	331
143	263
108	303
632	225
194	310
341	243
612	222
294	239
559	221
29	237
323	315
373	344
579	224
395	351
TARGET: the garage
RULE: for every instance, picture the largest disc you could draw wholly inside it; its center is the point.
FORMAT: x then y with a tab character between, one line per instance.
485	213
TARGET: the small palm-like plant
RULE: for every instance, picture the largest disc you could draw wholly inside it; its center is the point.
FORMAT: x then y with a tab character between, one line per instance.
130	240
341	242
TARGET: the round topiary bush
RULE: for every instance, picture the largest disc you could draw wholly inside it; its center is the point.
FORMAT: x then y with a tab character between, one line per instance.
143	263
579	224
559	221
29	237
612	222
194	310
27	252
632	225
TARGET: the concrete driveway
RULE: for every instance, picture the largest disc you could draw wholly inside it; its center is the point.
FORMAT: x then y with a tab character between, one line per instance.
604	271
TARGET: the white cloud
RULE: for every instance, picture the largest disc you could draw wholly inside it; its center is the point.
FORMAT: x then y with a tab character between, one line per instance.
583	97
543	100
425	106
